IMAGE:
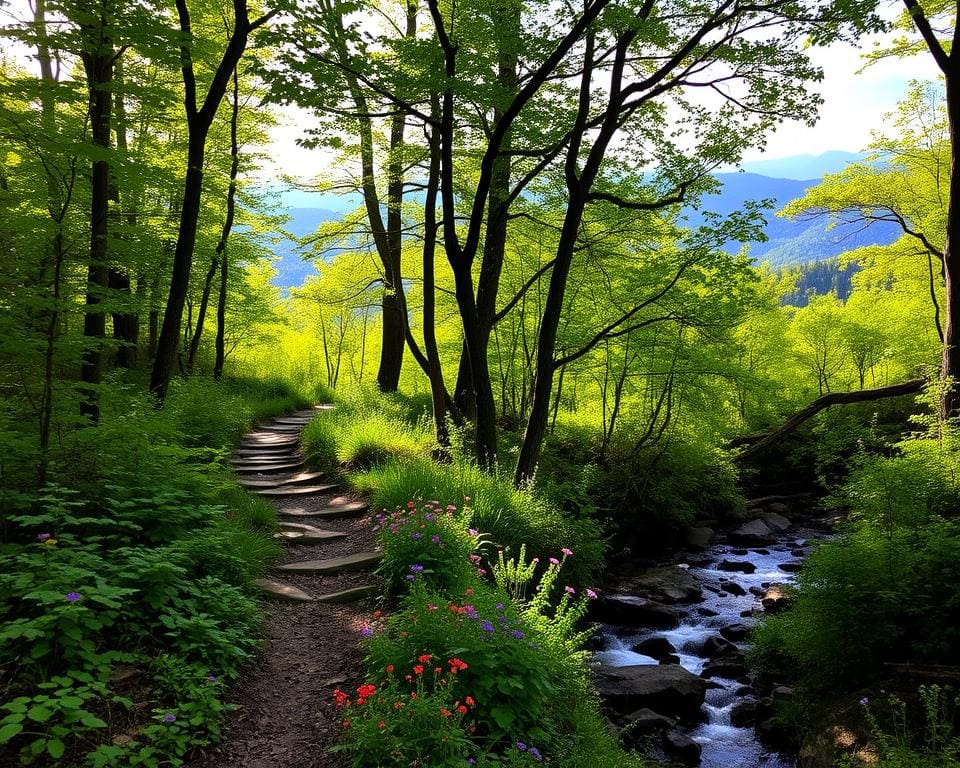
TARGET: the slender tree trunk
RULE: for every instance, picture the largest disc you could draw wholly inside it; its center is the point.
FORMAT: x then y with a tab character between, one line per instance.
98	65
212	271
220	345
951	252
126	324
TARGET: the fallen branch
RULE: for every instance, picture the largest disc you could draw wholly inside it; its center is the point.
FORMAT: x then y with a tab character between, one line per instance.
759	443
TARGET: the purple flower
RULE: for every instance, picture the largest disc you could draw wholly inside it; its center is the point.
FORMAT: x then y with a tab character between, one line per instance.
472	531
416	568
428	516
503	620
486	626
416	536
169	718
72	597
566	551
410	577
591	594
435	538
365	631
864	701
535	754
521	746
499	606
471	612
393	528
212	678
517	634
42	537
471	761
554	561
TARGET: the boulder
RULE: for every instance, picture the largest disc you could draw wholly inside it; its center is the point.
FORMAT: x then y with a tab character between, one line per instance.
799	552
735	632
667	689
736	566
776	522
778	508
707	612
732	588
678	745
671	659
728	667
632	611
761	551
743	714
791	567
775	599
716	646
655	647
670	585
643	723
753	532
699	537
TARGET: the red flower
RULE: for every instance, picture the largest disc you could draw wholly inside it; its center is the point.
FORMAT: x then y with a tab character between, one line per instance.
456	665
468	591
462	709
418	669
437	670
408	678
425	659
341	698
376	614
346	724
470	701
398	705
367	690
446	712
389	668
381	724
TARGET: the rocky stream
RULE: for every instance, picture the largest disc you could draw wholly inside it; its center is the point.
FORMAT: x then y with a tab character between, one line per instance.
669	658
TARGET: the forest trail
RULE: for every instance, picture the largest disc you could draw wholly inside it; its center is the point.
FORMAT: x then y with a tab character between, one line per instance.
318	599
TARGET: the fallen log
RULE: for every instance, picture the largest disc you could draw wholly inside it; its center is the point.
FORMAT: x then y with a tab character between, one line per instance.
759	443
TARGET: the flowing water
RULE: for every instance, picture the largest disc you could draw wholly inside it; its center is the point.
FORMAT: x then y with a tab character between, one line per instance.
724	745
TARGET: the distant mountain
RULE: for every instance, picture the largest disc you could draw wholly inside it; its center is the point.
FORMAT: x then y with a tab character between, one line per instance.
801	167
788	242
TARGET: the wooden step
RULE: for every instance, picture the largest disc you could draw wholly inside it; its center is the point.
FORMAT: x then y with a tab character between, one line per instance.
347	509
296	490
357	562
349	595
280	591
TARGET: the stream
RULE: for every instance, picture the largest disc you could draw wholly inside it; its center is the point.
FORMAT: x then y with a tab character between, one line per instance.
731	600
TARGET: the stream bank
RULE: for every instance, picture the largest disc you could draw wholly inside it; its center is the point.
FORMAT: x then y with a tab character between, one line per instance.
669	656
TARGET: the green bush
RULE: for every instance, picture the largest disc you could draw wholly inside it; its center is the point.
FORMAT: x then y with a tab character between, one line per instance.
510	517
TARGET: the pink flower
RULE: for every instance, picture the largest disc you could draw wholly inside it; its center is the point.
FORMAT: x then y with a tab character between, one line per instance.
554	561
591	594
566	551
569	590
451	508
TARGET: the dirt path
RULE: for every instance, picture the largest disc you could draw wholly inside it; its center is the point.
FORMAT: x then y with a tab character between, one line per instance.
317	601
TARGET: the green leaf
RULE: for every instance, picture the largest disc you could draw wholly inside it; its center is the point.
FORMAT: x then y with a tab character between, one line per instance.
504	717
8	731
56	748
39	714
92	722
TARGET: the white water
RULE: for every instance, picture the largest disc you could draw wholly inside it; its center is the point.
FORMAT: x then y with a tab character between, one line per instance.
723	745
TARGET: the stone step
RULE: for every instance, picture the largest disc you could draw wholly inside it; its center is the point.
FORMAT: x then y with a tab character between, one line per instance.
265	468
259	453
345	509
269	448
280	429
357	562
281	591
307	534
349	595
260	439
296	490
324	407
300	421
303	478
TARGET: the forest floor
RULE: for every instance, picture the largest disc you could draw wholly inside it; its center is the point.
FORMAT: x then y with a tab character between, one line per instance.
285	716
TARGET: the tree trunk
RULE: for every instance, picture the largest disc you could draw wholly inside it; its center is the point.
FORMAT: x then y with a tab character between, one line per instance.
221	320
126	324
98	66
202	311
951	251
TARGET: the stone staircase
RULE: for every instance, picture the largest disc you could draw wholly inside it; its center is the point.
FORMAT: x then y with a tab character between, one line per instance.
329	550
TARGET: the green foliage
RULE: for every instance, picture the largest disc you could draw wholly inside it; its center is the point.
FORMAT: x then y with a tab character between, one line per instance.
509	517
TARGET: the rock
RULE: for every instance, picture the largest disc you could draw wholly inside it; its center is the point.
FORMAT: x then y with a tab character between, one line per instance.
644	722
350	595
716	646
778	508
680	746
712	588
773	732
634	611
801	542
699	537
761	551
707	612
732	588
670	585
792	567
672	659
775	599
281	591
782	693
799	552
655	647
735	632
736	566
754	532
743	714
727	667
740	552
776	521
667	689
356	562
758	591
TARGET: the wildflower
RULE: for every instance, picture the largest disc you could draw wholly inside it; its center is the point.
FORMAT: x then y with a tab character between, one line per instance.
535	754
431	607
49	542
346	724
864	701
169	718
410	577
416	536
437	670
445	712
367	690
365	631
425	659
42	537
566	551
416	568
554	561
521	746
517	634
428	516
470	701
499	606
481	571
390	669
212	678
413	694
377	614
472	532
408	678
340	698
535	560
486	626
569	590
591	594
411	504
418	669
398	705
468	591
381	724
72	597
457	665
451	507
462	709
466	498
435	538
503	620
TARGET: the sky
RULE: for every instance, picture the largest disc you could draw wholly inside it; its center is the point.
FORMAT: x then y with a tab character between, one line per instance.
854	104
